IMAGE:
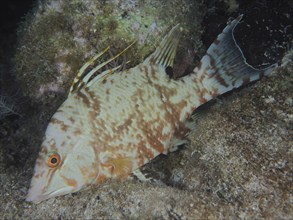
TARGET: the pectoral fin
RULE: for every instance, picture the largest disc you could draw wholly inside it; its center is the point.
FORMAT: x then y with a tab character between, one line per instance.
119	167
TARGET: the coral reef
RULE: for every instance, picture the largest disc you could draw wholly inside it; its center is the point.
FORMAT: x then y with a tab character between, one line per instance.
61	35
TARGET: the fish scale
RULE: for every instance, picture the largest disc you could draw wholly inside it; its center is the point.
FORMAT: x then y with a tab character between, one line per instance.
114	123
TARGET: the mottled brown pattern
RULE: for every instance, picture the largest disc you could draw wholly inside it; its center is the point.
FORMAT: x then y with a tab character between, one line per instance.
69	181
93	103
77	132
84	98
88	172
214	92
52	145
59	110
154	74
202	100
181	131
62	125
40	160
39	175
101	178
151	135
104	81
201	93
144	154
126	124
71	119
212	61
152	61
246	80
44	151
221	80
203	76
153	139
172	116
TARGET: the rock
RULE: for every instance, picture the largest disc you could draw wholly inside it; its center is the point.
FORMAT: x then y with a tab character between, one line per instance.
238	163
59	36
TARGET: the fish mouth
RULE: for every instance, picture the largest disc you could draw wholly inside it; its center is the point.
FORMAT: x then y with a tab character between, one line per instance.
37	198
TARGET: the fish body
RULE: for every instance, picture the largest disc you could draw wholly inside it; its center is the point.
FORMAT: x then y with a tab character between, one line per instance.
114	123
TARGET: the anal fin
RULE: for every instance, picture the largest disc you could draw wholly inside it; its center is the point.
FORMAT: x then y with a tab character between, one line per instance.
140	176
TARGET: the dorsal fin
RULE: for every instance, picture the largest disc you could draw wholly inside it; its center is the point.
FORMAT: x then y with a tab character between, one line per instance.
78	81
166	51
82	80
103	74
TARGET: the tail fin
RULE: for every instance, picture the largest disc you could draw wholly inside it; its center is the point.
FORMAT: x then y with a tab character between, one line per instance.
224	67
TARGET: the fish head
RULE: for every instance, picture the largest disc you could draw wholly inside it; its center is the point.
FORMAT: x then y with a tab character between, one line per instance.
66	163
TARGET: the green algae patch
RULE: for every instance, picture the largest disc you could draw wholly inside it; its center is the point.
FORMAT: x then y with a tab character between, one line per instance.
58	37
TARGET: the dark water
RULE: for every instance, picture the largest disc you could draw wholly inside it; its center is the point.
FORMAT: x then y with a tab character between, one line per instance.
11	14
267	33
264	36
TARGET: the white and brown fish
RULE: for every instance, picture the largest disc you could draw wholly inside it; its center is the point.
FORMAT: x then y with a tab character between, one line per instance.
112	124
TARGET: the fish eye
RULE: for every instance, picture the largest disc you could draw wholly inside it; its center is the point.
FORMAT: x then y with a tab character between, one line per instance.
54	159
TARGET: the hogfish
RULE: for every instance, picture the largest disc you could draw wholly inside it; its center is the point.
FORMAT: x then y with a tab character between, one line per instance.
113	123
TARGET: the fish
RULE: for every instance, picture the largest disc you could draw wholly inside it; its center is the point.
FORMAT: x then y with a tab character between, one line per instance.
113	123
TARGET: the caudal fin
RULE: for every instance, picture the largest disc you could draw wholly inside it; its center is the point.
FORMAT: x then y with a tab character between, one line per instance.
224	67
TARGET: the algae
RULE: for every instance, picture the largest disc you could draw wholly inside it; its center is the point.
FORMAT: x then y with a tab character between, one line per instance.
238	163
59	36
